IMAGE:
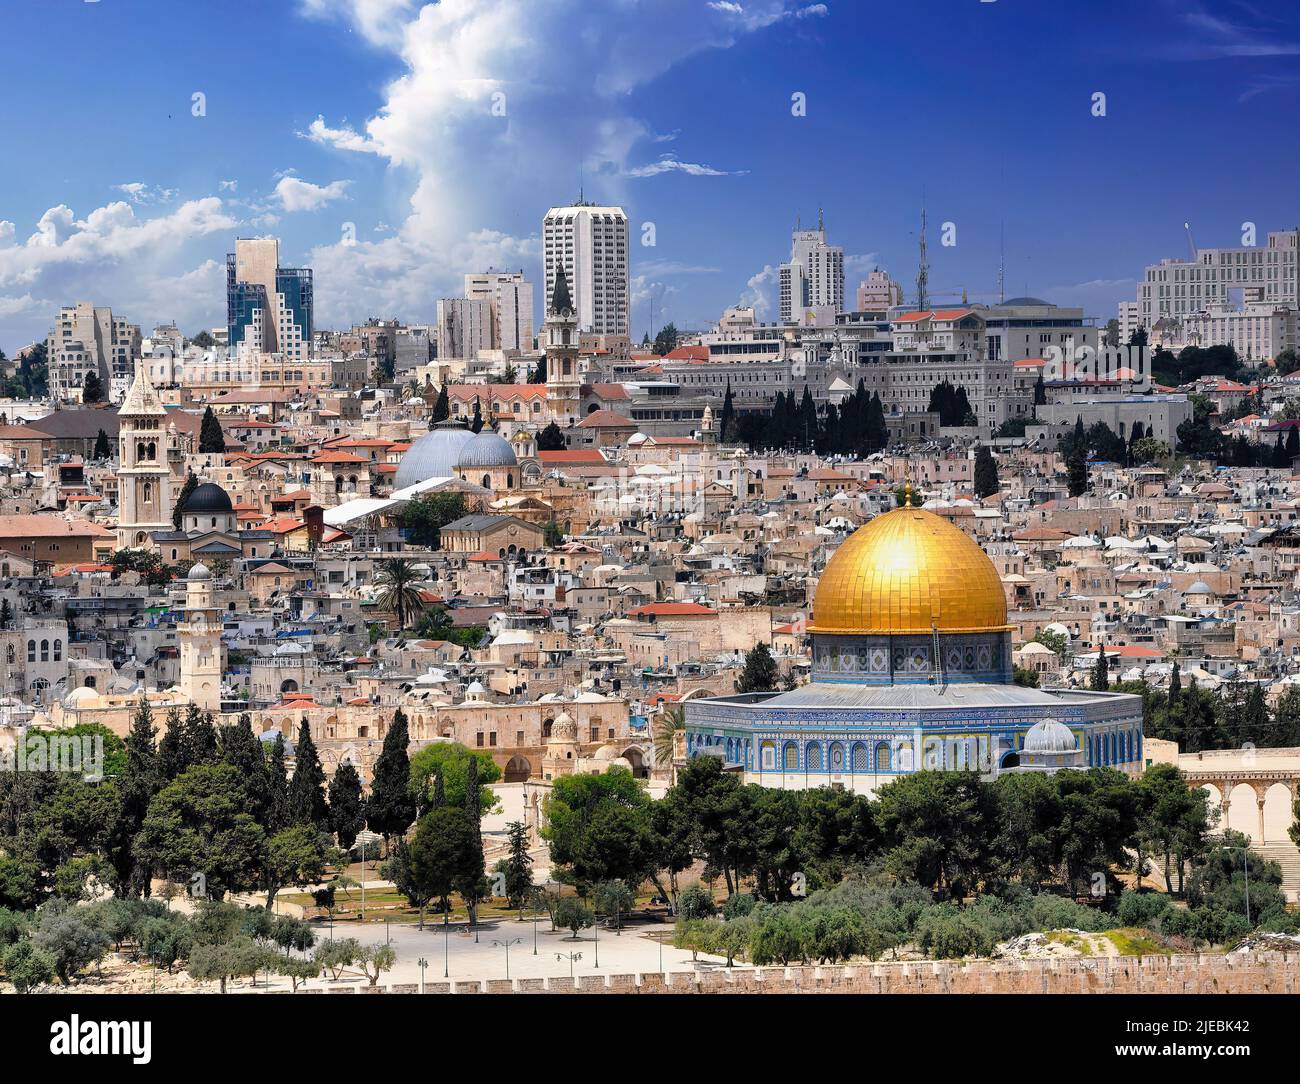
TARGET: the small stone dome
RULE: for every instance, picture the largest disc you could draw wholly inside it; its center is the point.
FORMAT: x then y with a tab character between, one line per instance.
1049	736
199	571
84	697
564	728
208	499
487	449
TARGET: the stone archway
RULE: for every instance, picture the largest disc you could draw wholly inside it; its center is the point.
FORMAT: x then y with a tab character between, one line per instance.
635	757
518	770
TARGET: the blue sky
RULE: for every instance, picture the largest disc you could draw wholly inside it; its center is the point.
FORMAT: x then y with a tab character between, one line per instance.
376	117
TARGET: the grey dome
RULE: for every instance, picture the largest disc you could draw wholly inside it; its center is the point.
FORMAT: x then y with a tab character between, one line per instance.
1026	301
207	499
1049	736
199	571
487	449
434	455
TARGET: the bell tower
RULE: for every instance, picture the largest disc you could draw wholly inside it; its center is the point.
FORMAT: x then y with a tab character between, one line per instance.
144	496
563	382
200	640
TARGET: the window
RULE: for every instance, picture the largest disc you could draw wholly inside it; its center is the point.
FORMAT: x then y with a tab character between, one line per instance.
31	650
479	740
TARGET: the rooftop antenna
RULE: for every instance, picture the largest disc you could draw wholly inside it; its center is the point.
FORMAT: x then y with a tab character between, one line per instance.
1002	262
821	221
923	268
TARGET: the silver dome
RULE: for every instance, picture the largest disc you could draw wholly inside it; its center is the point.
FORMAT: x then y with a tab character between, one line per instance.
434	455
487	449
1049	736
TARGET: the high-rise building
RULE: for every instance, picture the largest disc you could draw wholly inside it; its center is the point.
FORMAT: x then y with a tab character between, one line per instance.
814	277
510	296
268	307
85	339
1253	274
591	243
464	327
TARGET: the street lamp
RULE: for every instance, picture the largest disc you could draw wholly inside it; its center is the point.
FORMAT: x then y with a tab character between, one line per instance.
570	956
506	945
425	963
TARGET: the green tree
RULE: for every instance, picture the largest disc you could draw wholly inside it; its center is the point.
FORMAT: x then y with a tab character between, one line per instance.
212	439
441	406
441	849
191	484
760	673
476	423
27	966
450	761
294	856
939	828
986	473
426	514
92	389
551	439
222	962
306	798
198	826
518	866
347	809
68	940
574	915
1101	671
103	449
390	810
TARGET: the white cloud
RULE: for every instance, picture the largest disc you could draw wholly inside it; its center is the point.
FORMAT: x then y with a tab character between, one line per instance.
298	195
140	193
227	186
112	257
669	163
502	105
761	291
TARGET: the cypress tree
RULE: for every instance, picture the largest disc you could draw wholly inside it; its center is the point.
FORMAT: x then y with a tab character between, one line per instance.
986	473
211	436
103	450
476	426
238	746
307	803
191	484
760	671
727	423
1101	672
390	810
441	406
347	808
1175	685
471	874
139	783
277	781
173	752
200	737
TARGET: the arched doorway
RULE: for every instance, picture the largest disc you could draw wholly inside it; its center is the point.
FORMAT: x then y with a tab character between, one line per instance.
518	770
636	759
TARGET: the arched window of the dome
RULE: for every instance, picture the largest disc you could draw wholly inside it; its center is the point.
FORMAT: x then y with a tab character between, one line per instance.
882	756
813	757
790	757
860	763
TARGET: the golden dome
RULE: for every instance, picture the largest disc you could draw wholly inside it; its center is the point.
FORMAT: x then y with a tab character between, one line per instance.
909	571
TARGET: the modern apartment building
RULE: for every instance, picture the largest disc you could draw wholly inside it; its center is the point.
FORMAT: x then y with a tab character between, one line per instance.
1028	327
1258	332
813	279
87	338
510	297
591	243
464	327
1175	289
268	307
878	293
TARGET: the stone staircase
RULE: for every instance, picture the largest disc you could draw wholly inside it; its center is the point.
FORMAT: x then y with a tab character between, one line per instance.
1288	857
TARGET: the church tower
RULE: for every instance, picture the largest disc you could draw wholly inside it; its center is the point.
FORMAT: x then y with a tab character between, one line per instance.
200	639
563	383
144	494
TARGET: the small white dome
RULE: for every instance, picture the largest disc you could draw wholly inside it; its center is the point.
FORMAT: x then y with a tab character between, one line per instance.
1049	736
84	697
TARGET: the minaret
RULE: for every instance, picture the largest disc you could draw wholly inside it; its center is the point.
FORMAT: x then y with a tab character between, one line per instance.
200	639
144	495
563	383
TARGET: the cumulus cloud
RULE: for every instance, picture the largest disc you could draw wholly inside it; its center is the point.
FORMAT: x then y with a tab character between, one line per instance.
299	195
761	291
482	86
112	257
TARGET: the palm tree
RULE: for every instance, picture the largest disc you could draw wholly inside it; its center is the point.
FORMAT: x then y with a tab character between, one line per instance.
398	578
670	720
